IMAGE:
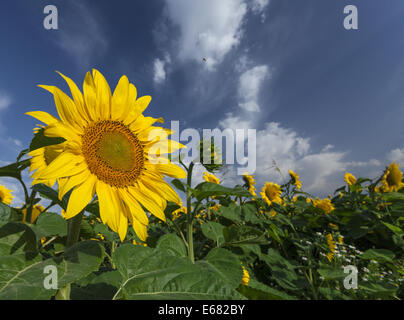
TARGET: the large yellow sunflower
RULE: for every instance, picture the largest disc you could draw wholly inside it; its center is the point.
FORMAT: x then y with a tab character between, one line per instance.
5	195
111	150
271	192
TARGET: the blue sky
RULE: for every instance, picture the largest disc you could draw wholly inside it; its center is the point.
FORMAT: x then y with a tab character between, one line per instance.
324	100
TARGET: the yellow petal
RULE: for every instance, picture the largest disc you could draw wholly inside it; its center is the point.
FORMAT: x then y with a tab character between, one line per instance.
147	202
119	105
81	197
109	205
66	164
66	108
162	188
77	97
60	130
134	207
170	170
140	229
163	147
69	183
43	116
90	97
103	95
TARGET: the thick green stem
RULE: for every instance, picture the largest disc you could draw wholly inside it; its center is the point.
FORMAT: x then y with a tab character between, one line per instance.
73	230
190	215
73	234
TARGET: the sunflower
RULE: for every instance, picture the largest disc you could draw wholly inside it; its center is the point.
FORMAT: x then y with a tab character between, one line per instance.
271	192
210	177
246	277
36	211
250	182
5	195
111	150
324	204
295	179
391	180
41	158
349	179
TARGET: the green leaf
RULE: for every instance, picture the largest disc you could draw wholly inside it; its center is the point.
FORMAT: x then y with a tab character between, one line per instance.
50	224
225	263
231	212
379	289
23	279
172	244
331	273
398	231
236	235
179	185
208	189
154	274
258	291
380	255
97	286
40	140
214	231
16	238
47	193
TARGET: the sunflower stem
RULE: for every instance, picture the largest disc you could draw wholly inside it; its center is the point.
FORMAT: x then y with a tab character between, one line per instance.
73	234
190	215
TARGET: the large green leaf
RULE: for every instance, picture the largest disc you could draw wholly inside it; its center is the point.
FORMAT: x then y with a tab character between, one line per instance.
236	235
154	274
50	224
214	231
16	238
172	244
23	278
225	263
97	286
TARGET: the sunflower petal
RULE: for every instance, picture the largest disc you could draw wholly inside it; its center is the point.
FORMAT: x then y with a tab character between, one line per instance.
119	105
103	93
43	116
147	202
77	96
81	197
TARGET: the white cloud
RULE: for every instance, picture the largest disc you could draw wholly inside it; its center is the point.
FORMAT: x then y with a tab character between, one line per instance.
5	101
258	7
396	155
159	69
208	28
249	86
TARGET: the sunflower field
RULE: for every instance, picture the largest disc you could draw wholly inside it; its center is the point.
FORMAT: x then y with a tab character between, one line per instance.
114	228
